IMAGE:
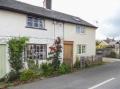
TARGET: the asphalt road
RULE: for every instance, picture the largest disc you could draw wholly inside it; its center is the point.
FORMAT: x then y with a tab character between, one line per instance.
101	77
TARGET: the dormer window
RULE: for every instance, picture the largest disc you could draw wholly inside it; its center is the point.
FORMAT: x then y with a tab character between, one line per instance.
80	29
35	22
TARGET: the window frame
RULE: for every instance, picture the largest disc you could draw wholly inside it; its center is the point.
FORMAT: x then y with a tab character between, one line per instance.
80	29
26	54
33	22
81	48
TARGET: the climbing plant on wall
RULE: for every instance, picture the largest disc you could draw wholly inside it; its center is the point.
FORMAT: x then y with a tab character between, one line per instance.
16	47
55	51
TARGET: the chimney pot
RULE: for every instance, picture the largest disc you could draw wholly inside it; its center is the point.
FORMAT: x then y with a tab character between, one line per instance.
48	4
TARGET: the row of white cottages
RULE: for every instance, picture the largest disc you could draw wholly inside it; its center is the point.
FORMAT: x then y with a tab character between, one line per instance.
43	26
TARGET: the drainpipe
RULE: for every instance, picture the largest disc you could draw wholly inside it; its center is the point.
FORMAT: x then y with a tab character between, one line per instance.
63	40
54	28
63	31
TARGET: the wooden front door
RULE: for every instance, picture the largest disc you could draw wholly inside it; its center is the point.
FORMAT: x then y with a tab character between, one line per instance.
68	53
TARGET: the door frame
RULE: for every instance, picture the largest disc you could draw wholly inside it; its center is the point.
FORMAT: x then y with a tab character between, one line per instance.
69	43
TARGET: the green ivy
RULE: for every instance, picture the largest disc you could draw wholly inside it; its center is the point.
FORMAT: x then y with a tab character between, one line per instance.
16	47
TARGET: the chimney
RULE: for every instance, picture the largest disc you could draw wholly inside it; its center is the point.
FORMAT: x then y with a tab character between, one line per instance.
48	4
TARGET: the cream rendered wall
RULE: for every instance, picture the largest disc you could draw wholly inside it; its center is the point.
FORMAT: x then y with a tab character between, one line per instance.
14	24
87	38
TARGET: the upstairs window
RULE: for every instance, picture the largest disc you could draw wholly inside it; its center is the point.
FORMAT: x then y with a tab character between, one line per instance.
35	22
80	29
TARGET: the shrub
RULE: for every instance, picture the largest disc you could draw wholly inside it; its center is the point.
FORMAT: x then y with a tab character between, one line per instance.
55	52
32	65
27	75
2	79
10	77
112	55
16	47
89	62
64	68
47	69
77	64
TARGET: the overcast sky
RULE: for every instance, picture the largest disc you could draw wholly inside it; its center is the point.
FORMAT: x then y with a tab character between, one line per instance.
106	12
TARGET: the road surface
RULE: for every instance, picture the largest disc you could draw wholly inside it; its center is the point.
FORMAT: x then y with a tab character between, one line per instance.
101	77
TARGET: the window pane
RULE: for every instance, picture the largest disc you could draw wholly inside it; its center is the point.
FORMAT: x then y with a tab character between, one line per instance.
36	22
83	49
41	23
30	19
79	49
30	22
36	51
80	29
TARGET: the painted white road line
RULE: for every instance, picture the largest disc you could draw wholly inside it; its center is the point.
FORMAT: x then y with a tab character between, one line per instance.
100	84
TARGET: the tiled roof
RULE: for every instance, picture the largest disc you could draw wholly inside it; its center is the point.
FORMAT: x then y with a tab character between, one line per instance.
20	7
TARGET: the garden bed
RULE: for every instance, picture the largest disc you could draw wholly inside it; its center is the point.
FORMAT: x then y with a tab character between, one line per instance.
18	82
35	71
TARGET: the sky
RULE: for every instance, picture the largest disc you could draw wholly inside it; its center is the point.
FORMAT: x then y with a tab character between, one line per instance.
104	13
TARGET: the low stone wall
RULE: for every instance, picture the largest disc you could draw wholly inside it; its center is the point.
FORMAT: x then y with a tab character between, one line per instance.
89	61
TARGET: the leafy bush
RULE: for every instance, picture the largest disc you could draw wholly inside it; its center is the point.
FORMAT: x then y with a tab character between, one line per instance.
32	65
64	68
112	55
47	69
88	63
2	79
10	77
27	75
77	64
16	47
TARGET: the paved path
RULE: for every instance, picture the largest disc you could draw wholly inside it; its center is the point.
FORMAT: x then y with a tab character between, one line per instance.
105	59
102	77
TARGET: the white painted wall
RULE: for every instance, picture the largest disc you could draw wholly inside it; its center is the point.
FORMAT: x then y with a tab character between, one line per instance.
87	38
14	24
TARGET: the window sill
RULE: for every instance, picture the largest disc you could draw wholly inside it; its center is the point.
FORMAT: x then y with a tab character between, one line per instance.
81	33
36	28
81	53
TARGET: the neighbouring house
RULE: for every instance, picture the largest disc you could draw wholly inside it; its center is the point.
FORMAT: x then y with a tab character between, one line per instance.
107	46
42	26
101	44
115	45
